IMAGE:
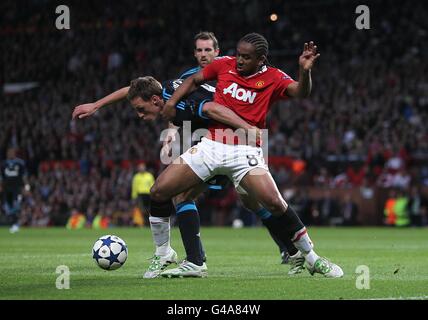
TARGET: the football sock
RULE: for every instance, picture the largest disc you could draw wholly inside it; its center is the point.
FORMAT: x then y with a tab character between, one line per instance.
268	220
293	222
311	257
161	234
302	241
188	222
296	231
300	237
181	206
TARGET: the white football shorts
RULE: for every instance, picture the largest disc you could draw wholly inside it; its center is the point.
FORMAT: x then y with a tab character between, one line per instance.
210	158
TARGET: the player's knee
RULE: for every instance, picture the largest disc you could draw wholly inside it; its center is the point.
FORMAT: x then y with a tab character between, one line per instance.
157	194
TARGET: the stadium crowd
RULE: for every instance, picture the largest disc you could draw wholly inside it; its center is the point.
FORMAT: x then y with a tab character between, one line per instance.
364	124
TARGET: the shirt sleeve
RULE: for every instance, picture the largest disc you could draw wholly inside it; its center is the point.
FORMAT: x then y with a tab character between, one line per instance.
284	81
168	90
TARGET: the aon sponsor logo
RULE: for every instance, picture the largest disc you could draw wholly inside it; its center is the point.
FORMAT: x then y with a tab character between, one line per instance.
240	94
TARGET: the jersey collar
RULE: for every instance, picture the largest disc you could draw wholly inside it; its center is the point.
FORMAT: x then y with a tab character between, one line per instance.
262	70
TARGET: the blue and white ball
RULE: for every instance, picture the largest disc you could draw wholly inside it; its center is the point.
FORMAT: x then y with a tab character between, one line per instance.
110	252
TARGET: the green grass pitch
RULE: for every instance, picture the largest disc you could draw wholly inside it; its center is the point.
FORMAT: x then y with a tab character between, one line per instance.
242	264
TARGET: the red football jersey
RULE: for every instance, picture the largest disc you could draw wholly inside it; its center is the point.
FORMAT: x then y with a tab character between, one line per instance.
249	97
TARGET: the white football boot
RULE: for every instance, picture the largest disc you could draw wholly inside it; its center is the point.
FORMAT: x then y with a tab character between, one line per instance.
297	263
326	268
186	269
159	263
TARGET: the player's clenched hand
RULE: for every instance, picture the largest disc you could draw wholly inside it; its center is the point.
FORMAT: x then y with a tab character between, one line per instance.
308	56
84	110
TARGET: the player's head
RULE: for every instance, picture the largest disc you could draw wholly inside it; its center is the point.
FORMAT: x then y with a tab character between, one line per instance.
251	53
206	48
145	95
142	167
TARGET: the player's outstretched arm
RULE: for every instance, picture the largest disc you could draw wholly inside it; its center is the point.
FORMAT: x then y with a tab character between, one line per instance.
86	110
302	88
188	86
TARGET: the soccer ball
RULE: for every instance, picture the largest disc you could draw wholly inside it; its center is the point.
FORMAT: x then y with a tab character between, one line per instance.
110	252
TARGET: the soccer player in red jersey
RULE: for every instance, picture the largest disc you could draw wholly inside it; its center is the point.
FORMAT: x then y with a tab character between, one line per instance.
206	49
249	87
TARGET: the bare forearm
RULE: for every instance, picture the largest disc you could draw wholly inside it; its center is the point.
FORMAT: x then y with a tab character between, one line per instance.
224	115
305	83
113	97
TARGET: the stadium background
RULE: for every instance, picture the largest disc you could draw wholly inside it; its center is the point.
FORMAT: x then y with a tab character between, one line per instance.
361	134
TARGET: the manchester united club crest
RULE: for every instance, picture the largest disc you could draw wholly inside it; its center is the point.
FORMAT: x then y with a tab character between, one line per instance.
260	84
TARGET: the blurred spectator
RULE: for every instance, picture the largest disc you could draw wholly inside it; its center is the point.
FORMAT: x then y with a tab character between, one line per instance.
356	174
77	220
142	182
401	209
323	179
396	209
102	219
389	208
